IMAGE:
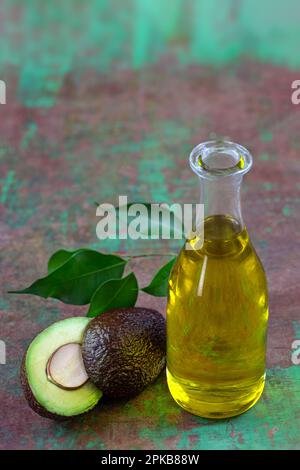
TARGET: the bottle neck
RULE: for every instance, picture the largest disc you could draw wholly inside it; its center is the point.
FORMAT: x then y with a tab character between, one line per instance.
221	197
221	165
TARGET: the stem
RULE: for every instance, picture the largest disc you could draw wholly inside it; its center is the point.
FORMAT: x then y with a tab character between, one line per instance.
150	255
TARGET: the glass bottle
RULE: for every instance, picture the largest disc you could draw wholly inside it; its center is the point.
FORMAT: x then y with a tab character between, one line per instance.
217	311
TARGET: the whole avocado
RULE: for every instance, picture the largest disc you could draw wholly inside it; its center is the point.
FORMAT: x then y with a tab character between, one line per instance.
124	350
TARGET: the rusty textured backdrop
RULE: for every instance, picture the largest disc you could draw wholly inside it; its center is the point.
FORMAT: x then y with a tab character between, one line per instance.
89	117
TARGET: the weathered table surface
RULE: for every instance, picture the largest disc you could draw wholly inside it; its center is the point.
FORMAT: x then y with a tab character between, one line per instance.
92	138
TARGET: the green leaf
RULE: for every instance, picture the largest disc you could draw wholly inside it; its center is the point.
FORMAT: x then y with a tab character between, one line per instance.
59	258
159	284
75	281
116	293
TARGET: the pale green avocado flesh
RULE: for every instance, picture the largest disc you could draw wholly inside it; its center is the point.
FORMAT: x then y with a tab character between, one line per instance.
50	396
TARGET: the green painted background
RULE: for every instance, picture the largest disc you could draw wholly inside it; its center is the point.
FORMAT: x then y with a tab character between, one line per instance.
108	97
46	40
57	35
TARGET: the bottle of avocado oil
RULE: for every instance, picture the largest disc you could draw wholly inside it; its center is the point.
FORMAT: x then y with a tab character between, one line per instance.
217	309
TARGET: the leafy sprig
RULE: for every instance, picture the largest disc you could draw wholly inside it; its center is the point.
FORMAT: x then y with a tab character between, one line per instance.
86	276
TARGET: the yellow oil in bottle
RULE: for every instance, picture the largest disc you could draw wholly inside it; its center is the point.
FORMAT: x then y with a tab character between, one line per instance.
217	316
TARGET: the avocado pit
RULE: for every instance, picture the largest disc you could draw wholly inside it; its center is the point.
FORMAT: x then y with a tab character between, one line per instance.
65	367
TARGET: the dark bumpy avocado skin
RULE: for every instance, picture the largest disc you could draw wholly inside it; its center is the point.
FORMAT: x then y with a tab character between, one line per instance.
124	350
33	403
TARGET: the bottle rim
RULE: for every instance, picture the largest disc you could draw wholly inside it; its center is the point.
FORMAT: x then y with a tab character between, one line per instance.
216	158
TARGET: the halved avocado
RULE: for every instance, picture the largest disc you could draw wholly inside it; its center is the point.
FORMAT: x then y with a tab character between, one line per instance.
53	376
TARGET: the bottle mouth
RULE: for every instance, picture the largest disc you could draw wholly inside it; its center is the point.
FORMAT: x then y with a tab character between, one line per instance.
216	158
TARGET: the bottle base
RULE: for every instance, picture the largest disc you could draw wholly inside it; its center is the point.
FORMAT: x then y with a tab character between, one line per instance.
224	403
